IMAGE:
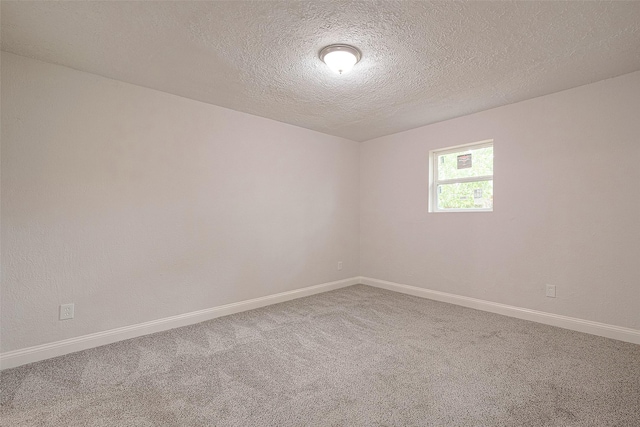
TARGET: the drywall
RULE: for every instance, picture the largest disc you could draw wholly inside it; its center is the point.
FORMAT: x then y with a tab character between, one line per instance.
567	206
138	205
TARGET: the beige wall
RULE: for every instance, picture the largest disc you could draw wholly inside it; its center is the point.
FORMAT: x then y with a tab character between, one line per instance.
137	205
567	206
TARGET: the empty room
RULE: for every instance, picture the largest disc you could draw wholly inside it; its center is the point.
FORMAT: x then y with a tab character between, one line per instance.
320	213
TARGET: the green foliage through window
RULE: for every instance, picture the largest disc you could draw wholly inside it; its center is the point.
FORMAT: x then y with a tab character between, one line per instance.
463	178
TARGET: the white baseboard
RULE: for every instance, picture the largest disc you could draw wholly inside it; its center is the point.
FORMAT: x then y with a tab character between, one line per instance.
23	356
580	325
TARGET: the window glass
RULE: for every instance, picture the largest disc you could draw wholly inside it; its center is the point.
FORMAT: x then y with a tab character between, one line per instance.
466	195
466	163
461	178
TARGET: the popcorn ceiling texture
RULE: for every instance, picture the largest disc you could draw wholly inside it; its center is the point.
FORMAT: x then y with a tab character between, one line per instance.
423	62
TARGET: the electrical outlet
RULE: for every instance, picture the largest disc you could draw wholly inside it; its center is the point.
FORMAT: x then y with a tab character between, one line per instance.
551	291
339	265
66	311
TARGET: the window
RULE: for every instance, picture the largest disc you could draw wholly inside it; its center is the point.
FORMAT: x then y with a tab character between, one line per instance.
461	178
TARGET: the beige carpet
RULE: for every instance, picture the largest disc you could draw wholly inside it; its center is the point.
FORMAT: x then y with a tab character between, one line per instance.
358	356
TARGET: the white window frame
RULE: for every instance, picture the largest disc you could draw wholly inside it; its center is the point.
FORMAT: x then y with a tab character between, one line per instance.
434	182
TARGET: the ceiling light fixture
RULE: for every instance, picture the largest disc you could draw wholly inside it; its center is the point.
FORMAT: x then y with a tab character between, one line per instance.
340	57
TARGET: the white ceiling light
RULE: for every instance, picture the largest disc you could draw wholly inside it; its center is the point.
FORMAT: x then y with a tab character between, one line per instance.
340	57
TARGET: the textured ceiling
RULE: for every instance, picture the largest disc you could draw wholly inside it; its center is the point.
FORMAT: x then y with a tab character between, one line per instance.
422	62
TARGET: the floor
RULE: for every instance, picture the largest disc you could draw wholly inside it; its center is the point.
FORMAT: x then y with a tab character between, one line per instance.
358	356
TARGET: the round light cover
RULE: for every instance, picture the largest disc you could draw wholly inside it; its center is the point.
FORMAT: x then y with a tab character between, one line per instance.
340	57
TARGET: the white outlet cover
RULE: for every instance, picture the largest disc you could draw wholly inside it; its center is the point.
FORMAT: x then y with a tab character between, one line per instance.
66	311
551	291
339	265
